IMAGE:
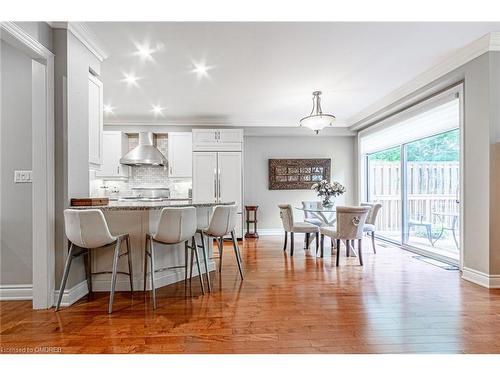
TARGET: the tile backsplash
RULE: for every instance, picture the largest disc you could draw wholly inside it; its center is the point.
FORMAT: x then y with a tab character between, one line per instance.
149	175
144	176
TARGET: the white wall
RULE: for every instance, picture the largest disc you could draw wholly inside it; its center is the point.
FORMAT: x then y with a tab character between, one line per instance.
73	61
481	148
16	210
259	149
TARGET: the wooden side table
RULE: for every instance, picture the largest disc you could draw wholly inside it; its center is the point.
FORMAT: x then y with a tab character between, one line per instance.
253	221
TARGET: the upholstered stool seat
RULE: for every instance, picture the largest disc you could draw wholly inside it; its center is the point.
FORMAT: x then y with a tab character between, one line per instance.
223	223
176	225
87	230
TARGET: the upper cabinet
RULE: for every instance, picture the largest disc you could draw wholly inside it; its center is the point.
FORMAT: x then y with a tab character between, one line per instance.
115	145
95	123
217	139
180	154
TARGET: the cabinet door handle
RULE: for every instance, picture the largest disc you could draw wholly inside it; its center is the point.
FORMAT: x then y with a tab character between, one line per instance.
219	191
118	169
215	184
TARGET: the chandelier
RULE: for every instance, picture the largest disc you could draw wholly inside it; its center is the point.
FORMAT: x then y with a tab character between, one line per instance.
317	120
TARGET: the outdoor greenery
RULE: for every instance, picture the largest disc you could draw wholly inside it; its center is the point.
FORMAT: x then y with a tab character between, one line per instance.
441	147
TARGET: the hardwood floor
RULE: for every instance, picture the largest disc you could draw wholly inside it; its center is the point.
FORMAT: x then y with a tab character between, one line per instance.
393	304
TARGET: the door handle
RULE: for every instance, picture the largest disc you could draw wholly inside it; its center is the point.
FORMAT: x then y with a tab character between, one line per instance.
118	170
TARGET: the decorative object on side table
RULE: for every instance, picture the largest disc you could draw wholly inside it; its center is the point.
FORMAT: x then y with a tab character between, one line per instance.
326	190
297	174
253	221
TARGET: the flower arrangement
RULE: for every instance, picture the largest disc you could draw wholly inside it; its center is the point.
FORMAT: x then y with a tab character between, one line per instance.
326	190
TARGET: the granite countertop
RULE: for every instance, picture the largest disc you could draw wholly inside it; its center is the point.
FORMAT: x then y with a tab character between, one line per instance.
135	206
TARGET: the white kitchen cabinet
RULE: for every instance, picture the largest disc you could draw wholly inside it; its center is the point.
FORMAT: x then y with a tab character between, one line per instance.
217	177
115	145
180	161
95	123
204	176
217	139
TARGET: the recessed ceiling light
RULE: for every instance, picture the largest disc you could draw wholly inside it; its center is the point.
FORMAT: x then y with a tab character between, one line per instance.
130	79
144	52
157	110
201	69
108	109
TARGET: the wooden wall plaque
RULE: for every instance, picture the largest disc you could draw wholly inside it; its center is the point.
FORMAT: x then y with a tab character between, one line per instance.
297	174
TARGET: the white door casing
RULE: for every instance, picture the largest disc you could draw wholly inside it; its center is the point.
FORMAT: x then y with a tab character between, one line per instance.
42	160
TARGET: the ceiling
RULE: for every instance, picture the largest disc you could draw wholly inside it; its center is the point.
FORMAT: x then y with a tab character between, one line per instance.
263	74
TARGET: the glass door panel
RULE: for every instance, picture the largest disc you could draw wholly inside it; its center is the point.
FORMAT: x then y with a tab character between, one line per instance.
384	186
431	189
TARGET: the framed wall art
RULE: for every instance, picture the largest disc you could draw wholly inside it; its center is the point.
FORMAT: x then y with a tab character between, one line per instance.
297	174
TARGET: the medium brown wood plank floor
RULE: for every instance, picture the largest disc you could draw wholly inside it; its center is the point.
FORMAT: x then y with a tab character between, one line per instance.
393	304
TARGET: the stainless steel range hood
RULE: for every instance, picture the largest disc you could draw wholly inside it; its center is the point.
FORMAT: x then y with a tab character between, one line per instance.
145	153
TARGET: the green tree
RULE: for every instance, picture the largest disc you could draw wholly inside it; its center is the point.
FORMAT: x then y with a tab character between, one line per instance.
441	147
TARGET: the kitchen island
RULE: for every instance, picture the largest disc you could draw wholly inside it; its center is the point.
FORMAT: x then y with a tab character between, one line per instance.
138	218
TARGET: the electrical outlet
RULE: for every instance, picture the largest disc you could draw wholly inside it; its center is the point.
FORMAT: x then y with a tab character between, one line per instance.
23	177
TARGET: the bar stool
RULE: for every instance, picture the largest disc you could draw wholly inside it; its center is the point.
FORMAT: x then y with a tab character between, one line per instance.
175	226
87	230
222	223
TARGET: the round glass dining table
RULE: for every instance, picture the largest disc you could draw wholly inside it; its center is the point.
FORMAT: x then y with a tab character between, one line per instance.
326	214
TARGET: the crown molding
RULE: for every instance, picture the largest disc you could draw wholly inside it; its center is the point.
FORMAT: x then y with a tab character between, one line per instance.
249	131
84	34
489	42
216	124
12	30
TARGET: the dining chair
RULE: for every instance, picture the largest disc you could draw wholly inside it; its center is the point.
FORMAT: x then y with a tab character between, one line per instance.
350	223
88	230
291	226
176	225
369	227
309	217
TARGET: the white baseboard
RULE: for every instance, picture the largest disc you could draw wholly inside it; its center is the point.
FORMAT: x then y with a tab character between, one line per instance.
271	232
70	296
16	292
481	278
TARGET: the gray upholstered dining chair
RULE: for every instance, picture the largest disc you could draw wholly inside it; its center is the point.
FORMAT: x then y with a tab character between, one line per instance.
350	223
291	226
309	217
370	221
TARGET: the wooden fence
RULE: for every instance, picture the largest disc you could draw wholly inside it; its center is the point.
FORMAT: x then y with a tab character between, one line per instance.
432	188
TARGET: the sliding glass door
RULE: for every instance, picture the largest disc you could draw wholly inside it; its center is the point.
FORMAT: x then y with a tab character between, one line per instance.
412	167
431	194
384	186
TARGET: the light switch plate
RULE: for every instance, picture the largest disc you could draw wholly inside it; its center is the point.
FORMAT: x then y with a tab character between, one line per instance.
23	177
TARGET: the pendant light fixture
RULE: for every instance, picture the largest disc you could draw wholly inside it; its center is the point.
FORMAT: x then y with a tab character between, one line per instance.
317	120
